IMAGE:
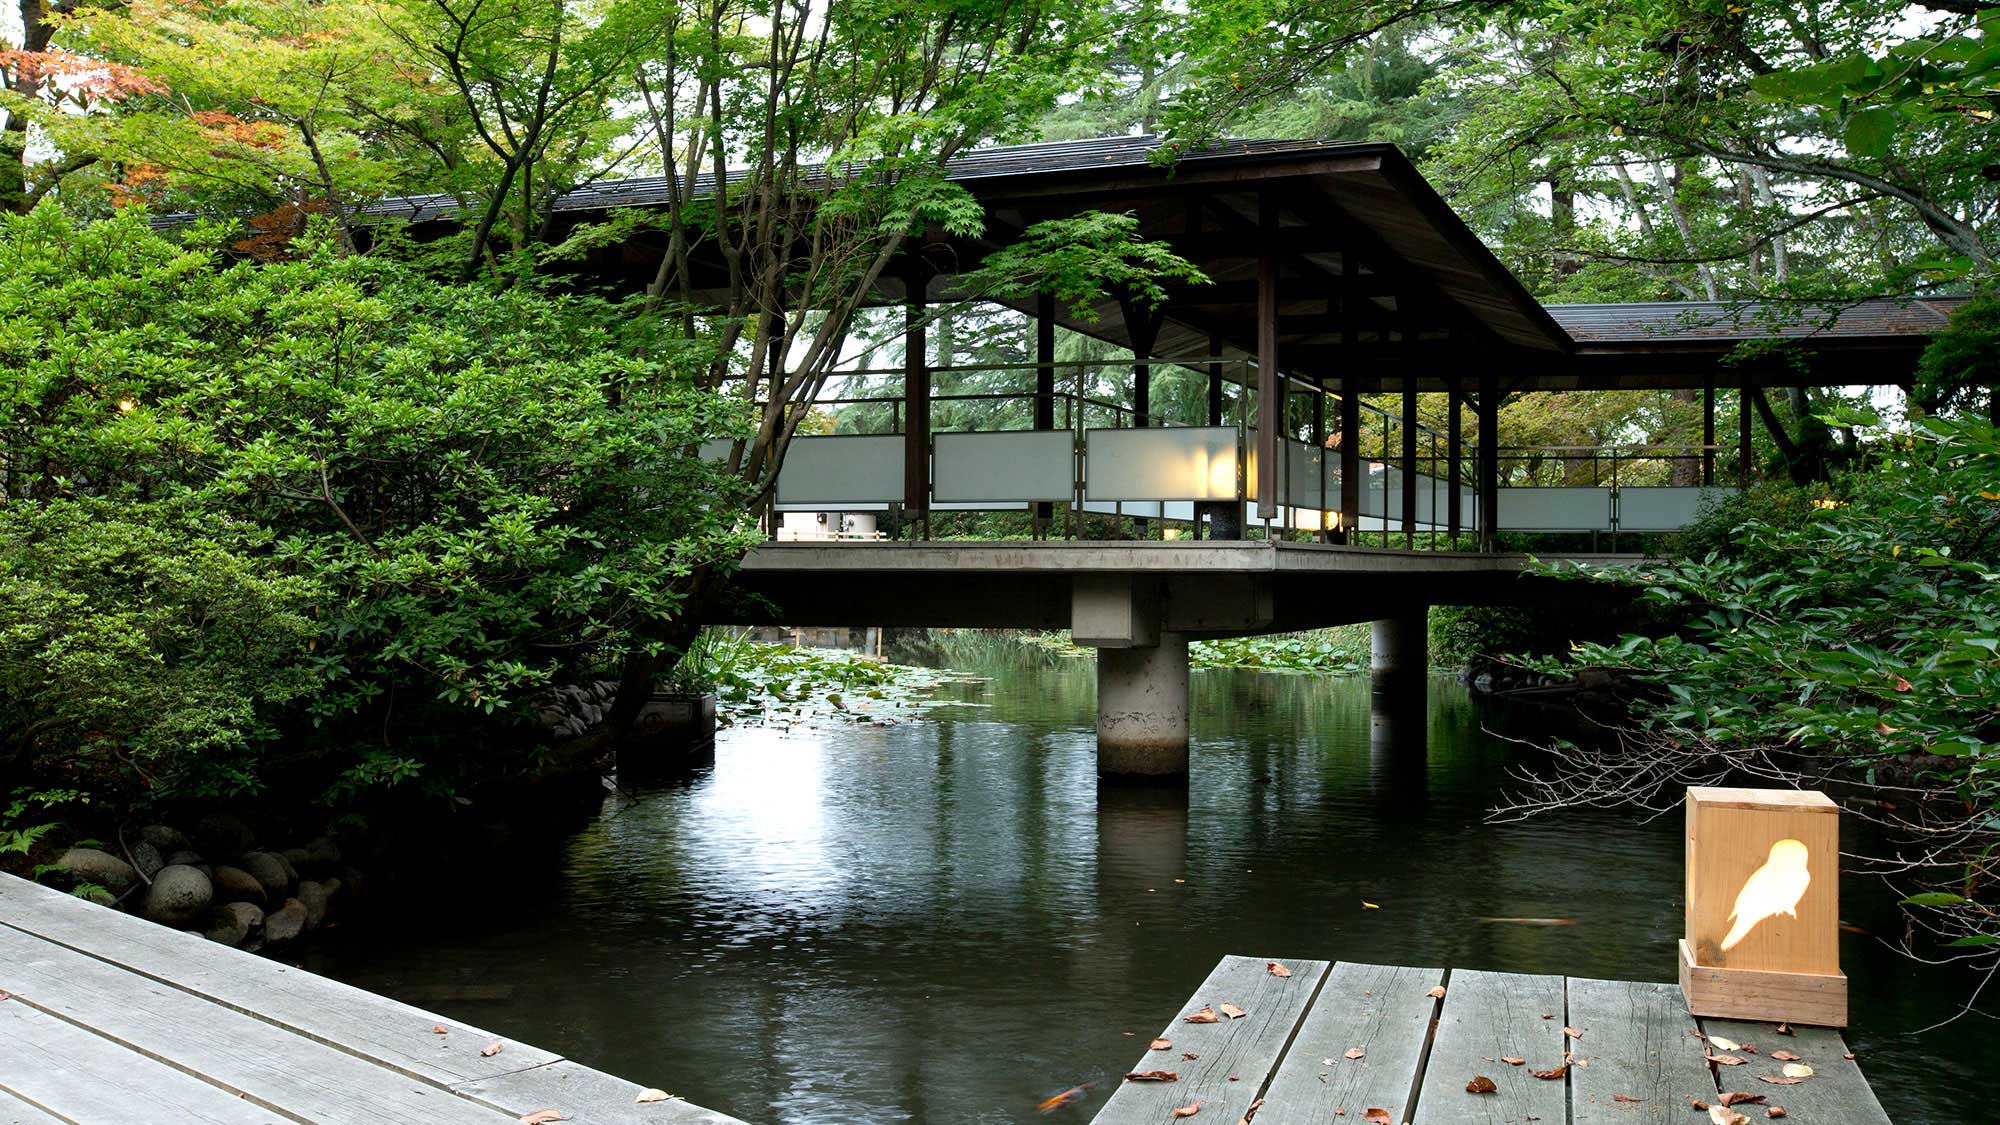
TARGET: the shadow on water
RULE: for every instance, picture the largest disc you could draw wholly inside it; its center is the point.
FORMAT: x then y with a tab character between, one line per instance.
948	921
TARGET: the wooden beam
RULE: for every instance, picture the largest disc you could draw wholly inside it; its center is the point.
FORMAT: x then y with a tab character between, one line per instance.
1410	463
1270	385
916	394
1350	461
1454	450
1489	457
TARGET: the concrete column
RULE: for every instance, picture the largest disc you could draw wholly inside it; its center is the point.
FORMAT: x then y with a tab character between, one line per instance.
1142	709
1401	647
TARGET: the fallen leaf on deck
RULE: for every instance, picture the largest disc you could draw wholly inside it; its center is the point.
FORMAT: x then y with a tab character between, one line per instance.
1572	1033
1189	1055
1436	992
1723	1115
1786	1056
1848	1055
1511	1060
543	1117
1355	1053
1554	1073
1547	1016
1735	1097
1798	1070
1721	1044
1777	1081
1378	1117
1700	1105
1749	1049
1481	1084
1233	1012
1774	1111
1206	1015
1188	1110
1784	1029
655	1096
1625	1098
1278	970
5	997
490	1050
1366	905
1161	1045
1724	1060
1152	1076
437	1029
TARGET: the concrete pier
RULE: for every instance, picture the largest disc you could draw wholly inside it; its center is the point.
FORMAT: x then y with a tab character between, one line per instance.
1401	647
1142	709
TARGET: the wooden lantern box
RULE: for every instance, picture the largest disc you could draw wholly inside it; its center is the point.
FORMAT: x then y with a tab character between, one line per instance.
1763	907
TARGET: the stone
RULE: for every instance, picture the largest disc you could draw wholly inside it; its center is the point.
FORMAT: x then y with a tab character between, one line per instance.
147	859
88	865
233	922
270	871
221	834
315	898
291	872
352	882
178	896
295	858
167	840
233	884
286	922
322	853
184	856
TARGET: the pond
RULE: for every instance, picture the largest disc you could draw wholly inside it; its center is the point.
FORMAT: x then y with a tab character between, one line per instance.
948	921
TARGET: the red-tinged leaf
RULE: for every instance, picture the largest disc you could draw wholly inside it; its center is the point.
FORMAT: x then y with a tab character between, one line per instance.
1552	1073
1779	1080
1206	1015
1354	1053
1278	970
1436	992
438	1029
1848	1056
1161	1045
543	1117
1378	1117
1774	1111
1625	1098
1511	1060
1903	685
1152	1076
1724	1060
489	1050
1700	1106
1786	1056
1481	1084
1737	1097
1188	1110
1785	1029
1189	1055
1573	1033
5	996
1233	1012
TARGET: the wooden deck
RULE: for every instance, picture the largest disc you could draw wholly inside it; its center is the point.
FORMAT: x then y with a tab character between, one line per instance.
111	1019
1331	1043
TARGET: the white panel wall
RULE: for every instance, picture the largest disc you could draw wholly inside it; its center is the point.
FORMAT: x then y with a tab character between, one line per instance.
1305	486
1017	465
1664	509
1555	509
1163	463
842	470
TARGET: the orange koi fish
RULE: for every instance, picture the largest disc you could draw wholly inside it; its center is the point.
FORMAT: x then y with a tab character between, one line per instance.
1070	1096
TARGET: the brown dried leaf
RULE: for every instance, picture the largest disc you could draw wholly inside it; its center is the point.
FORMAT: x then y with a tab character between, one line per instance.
1152	1076
1481	1084
1572	1033
1233	1012
1784	1029
1436	992
655	1096
1786	1056
1735	1097
1378	1117
1188	1110
1552	1073
1625	1098
1511	1060
1849	1056
438	1029
1161	1045
1775	1080
1189	1055
1700	1105
1774	1111
543	1117
1354	1053
489	1050
1278	970
1206	1015
1724	1060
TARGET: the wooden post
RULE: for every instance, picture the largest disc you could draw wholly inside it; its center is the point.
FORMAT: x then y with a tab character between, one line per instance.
1142	326
1045	386
1215	379
1743	433
1489	459
916	397
1708	430
1350	458
1409	459
1319	444
1270	385
1454	448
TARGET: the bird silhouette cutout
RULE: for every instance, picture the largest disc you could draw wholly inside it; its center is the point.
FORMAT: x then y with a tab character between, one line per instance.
1771	890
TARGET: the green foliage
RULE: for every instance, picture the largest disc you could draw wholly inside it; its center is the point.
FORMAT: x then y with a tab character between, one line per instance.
1080	259
1329	652
1472	636
758	684
329	487
1961	368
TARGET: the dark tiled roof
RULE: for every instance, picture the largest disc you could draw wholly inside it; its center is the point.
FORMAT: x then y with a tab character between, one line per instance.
1720	321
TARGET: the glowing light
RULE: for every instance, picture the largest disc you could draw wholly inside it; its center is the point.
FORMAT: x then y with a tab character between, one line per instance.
127	406
1771	890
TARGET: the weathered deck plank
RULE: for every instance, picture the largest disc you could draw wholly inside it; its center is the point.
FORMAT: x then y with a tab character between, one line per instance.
306	1079
382	1030
14	1111
1835	1092
585	1095
1248	1047
70	1072
1386	1011
1488	1017
1639	1043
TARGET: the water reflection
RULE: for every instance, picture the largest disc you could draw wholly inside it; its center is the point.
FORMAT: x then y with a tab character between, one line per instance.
949	921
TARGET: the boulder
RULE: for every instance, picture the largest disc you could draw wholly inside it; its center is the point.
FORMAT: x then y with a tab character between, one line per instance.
291	872
233	884
270	871
286	922
178	896
147	859
297	860
233	923
185	855
315	898
221	834
88	865
322	854
167	840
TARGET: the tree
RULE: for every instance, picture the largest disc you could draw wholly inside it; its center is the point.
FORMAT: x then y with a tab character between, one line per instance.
48	87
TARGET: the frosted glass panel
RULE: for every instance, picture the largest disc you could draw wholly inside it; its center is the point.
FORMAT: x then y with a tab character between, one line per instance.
715	449
1305	486
1664	509
1178	463
842	470
1014	465
1555	509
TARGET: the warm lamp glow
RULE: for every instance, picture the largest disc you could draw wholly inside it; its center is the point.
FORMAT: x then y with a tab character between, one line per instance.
1218	471
127	406
1772	889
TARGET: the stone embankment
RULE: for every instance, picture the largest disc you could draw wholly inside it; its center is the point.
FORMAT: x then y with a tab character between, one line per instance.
216	881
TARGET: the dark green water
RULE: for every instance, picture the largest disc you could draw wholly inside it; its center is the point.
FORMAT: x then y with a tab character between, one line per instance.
947	921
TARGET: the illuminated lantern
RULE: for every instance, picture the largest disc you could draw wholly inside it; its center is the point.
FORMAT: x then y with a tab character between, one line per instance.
1763	907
